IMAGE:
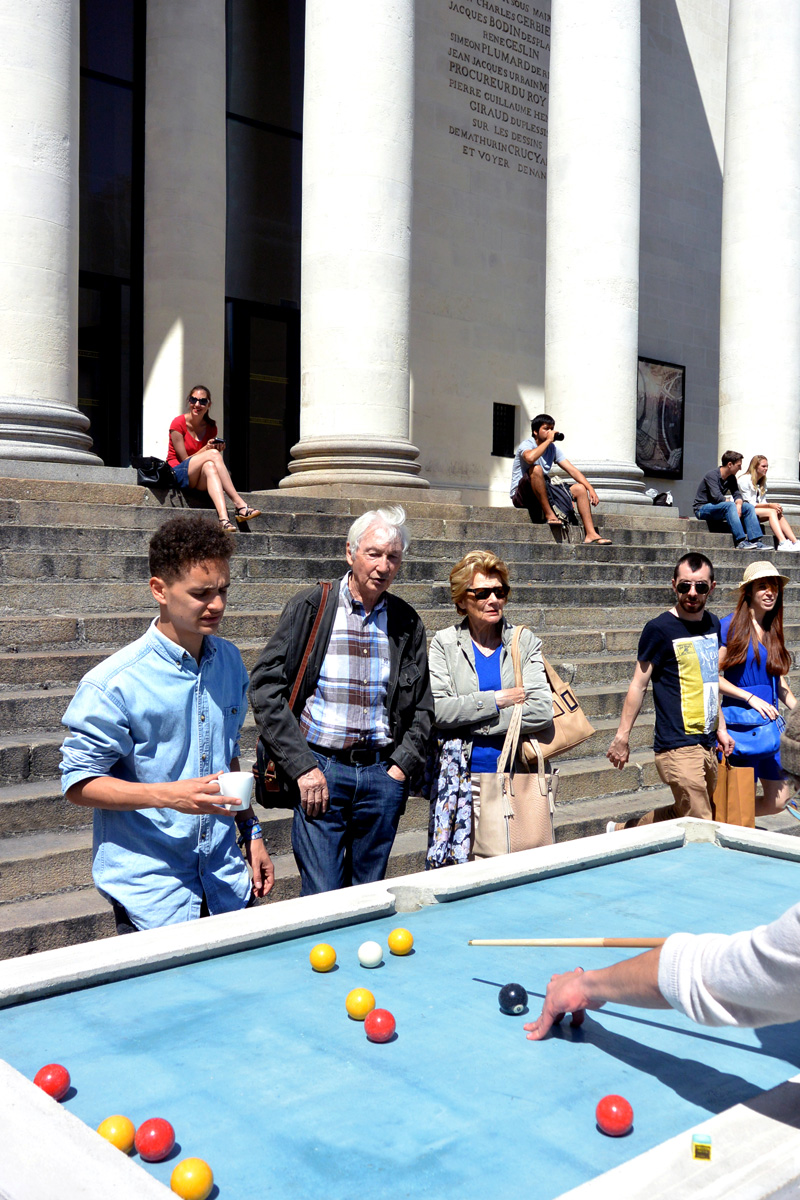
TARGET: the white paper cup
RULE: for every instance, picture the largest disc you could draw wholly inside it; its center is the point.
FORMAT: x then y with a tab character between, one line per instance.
238	784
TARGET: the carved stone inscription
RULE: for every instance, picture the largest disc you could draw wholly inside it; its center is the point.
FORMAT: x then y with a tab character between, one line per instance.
498	65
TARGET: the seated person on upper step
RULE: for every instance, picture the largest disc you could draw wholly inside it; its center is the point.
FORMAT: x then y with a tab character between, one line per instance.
150	730
712	504
530	479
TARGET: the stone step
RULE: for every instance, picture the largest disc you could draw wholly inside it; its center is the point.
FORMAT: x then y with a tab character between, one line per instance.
81	914
68	857
314	560
291	534
29	756
249	595
28	926
30	807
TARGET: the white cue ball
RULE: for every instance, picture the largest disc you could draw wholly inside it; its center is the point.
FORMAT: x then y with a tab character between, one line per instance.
370	954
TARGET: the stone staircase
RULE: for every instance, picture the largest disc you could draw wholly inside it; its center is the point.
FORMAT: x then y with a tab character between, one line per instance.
74	562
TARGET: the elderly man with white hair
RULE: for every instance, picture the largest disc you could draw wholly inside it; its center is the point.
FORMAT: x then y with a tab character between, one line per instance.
357	734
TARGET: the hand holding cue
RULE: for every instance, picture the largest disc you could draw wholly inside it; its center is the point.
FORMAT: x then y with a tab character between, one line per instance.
624	943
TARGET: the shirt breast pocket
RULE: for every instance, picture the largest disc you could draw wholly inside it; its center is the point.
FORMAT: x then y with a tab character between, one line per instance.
231	721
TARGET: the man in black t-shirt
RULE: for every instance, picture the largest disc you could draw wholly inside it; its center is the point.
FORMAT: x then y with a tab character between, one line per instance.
679	651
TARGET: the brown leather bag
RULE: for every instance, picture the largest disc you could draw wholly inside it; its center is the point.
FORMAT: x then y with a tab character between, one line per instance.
265	774
570	725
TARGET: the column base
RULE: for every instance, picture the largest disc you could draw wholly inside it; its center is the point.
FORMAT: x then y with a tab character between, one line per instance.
375	462
785	492
42	431
617	483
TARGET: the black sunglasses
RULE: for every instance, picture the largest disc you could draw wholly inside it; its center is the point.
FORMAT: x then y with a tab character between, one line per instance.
685	586
484	593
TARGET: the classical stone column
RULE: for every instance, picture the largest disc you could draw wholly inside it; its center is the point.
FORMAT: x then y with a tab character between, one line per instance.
184	215
39	101
759	378
592	287
356	251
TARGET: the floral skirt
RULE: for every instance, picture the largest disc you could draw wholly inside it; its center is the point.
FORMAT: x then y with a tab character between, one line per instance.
448	787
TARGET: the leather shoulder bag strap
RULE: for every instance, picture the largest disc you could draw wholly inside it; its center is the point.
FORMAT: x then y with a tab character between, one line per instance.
312	637
540	767
509	751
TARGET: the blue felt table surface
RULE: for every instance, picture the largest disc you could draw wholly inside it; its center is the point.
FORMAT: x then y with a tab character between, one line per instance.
255	1062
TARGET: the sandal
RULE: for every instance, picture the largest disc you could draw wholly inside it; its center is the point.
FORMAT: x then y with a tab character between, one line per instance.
599	541
246	514
225	524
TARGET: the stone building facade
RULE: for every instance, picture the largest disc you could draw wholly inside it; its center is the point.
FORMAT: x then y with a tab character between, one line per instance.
386	235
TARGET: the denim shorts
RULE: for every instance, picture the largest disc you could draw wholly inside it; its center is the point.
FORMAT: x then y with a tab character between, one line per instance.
181	473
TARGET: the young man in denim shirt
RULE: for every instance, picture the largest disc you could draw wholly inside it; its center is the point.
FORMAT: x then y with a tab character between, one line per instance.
150	729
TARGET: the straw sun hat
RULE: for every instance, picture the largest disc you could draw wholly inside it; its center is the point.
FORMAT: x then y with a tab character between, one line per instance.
762	570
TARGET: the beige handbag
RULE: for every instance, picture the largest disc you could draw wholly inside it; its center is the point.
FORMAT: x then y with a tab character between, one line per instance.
516	802
570	725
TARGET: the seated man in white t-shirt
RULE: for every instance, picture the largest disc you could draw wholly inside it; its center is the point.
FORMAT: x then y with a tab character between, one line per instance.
533	461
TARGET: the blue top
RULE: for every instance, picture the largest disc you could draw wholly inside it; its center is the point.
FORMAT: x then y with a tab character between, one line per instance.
486	750
151	714
749	675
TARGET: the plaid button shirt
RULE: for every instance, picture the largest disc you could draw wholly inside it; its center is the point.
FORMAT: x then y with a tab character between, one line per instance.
349	703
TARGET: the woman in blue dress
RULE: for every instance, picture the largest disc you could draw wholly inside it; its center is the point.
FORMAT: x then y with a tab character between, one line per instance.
753	663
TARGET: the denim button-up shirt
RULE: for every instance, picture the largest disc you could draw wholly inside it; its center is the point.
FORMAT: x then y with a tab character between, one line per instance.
151	714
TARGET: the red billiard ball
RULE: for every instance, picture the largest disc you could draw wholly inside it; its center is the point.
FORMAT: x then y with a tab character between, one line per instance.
154	1139
53	1079
379	1025
614	1115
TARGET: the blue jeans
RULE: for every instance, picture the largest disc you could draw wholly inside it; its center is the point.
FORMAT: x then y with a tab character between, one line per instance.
351	842
746	529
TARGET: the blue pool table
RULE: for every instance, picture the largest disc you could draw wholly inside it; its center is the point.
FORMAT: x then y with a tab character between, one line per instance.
223	1028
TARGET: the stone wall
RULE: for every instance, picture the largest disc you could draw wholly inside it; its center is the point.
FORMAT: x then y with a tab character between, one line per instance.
478	265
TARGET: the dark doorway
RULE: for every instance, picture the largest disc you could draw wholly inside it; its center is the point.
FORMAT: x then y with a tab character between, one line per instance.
262	391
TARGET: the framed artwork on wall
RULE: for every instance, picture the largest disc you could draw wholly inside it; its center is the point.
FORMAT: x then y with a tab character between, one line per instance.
660	395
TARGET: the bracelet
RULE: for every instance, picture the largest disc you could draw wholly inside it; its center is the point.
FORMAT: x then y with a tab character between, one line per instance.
749	698
248	832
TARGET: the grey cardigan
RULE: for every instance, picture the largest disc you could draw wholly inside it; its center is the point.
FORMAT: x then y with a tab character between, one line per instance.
461	708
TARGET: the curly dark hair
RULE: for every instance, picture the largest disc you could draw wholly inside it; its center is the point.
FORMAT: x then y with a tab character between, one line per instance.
184	541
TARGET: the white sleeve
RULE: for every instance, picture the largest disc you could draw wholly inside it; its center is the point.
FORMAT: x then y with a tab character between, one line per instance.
749	979
746	488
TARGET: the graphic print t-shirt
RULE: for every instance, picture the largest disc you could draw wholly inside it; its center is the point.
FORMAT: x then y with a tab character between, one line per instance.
685	658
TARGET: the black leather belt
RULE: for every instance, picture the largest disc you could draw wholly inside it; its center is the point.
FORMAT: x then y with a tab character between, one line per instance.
355	756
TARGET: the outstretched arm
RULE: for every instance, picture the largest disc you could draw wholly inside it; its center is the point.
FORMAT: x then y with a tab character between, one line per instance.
632	981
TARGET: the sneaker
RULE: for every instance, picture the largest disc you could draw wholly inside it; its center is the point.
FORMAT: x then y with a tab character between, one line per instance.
786	545
794	546
744	545
611	827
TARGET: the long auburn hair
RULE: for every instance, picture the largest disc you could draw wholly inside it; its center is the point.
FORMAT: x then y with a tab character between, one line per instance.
741	634
752	471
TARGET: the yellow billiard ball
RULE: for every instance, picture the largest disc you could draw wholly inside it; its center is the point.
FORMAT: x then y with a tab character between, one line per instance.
359	1002
322	957
120	1131
192	1179
400	941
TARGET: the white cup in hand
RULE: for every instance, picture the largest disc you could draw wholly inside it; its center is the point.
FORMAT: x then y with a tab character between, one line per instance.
238	784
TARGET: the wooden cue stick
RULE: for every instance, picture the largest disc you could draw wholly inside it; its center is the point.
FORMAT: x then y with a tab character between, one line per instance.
621	942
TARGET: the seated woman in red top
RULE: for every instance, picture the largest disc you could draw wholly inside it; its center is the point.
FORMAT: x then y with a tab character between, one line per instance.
195	455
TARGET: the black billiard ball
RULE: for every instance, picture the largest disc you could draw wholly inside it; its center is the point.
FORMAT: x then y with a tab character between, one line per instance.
513	999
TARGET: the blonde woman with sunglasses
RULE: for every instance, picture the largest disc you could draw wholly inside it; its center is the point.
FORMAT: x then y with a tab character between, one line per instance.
472	678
